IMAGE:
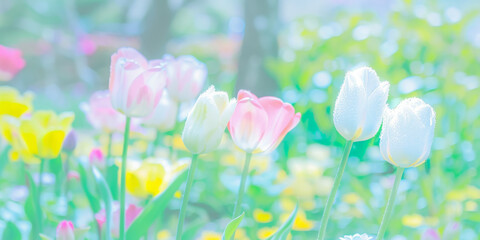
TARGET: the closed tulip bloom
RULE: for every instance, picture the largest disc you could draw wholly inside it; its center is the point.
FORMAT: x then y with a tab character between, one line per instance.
360	104
407	133
96	158
260	124
164	116
186	77
135	86
14	104
101	114
11	62
65	231
207	121
131	213
70	142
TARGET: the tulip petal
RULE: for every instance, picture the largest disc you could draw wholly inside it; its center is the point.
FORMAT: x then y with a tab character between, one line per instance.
281	119
145	92
51	143
376	104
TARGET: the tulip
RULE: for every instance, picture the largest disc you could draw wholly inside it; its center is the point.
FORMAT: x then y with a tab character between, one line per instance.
259	125
135	86
131	214
207	121
407	133
12	103
452	231
357	117
70	142
202	133
11	62
164	116
96	158
186	77
65	231
148	178
360	104
101	114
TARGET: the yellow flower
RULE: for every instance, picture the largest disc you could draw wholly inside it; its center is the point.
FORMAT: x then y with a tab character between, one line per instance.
210	235
163	235
413	220
351	198
265	232
39	136
14	104
261	216
301	222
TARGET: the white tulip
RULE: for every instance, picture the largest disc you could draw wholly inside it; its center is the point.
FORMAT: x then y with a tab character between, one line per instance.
360	104
407	133
164	116
207	121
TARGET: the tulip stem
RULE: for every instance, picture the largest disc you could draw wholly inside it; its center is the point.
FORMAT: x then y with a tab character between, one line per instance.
109	154
390	203
186	195
333	193
122	179
39	195
241	189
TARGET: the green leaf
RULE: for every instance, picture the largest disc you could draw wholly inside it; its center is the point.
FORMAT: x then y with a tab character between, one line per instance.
150	213
11	232
45	237
4	157
94	203
232	227
107	199
32	207
284	230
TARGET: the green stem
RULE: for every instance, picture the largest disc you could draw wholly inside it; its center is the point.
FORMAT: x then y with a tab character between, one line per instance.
39	195
390	203
241	189
333	193
109	154
181	217
122	179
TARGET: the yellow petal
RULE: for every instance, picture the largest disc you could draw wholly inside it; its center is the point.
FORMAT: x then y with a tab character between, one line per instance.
31	142
12	108
51	144
261	216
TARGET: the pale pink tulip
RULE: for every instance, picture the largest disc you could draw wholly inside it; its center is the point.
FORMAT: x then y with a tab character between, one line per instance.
131	213
164	116
186	77
135	86
260	124
11	62
430	234
65	231
101	114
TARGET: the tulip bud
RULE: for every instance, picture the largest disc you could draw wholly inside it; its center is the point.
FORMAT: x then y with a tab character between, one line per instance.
360	104
452	231
135	86
70	142
96	158
430	234
11	62
65	231
164	116
407	133
101	114
261	124
186	77
207	120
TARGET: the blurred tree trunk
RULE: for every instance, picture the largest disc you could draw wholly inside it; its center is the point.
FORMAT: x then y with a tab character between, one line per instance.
156	32
259	43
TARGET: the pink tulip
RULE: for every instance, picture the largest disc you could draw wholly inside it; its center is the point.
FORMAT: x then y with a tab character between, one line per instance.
101	114
65	231
186	77
11	62
131	214
86	45
73	175
96	158
260	124
135	86
164	116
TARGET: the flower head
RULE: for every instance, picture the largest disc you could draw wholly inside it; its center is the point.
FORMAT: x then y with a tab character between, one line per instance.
12	103
260	124
207	121
164	116
65	231
11	62
131	213
356	237
135	85
407	133
360	104
186	77
101	114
